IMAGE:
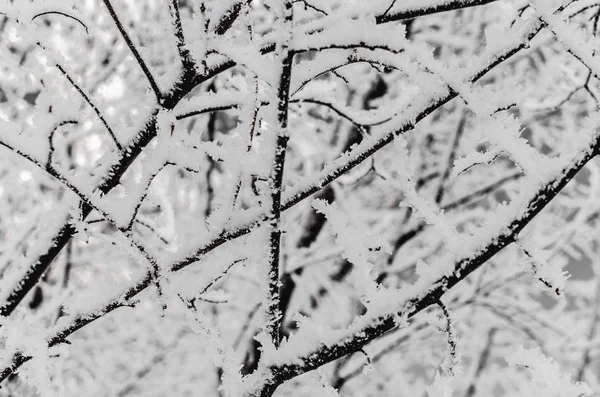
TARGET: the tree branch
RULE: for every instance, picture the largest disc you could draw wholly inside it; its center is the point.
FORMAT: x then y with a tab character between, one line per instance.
89	101
505	236
184	54
419	11
67	231
227	20
41	14
276	178
134	51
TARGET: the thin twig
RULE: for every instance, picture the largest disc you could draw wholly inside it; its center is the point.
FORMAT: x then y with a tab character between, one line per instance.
51	140
593	330
64	15
450	365
134	51
184	53
92	105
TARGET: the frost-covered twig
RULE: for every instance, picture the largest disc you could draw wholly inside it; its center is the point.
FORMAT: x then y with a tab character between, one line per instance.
311	230
145	136
63	233
92	105
453	360
570	37
63	332
308	5
230	234
134	51
408	235
51	139
184	53
273	325
364	151
413	11
56	174
230	16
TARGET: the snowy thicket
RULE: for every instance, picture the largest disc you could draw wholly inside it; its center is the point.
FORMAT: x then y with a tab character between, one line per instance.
299	198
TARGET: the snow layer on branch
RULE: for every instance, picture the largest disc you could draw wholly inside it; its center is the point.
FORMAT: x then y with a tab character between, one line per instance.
426	210
582	143
354	33
210	101
248	55
433	215
429	94
503	132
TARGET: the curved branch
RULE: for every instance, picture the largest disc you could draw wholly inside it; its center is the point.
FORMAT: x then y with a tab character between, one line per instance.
51	139
64	14
184	54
